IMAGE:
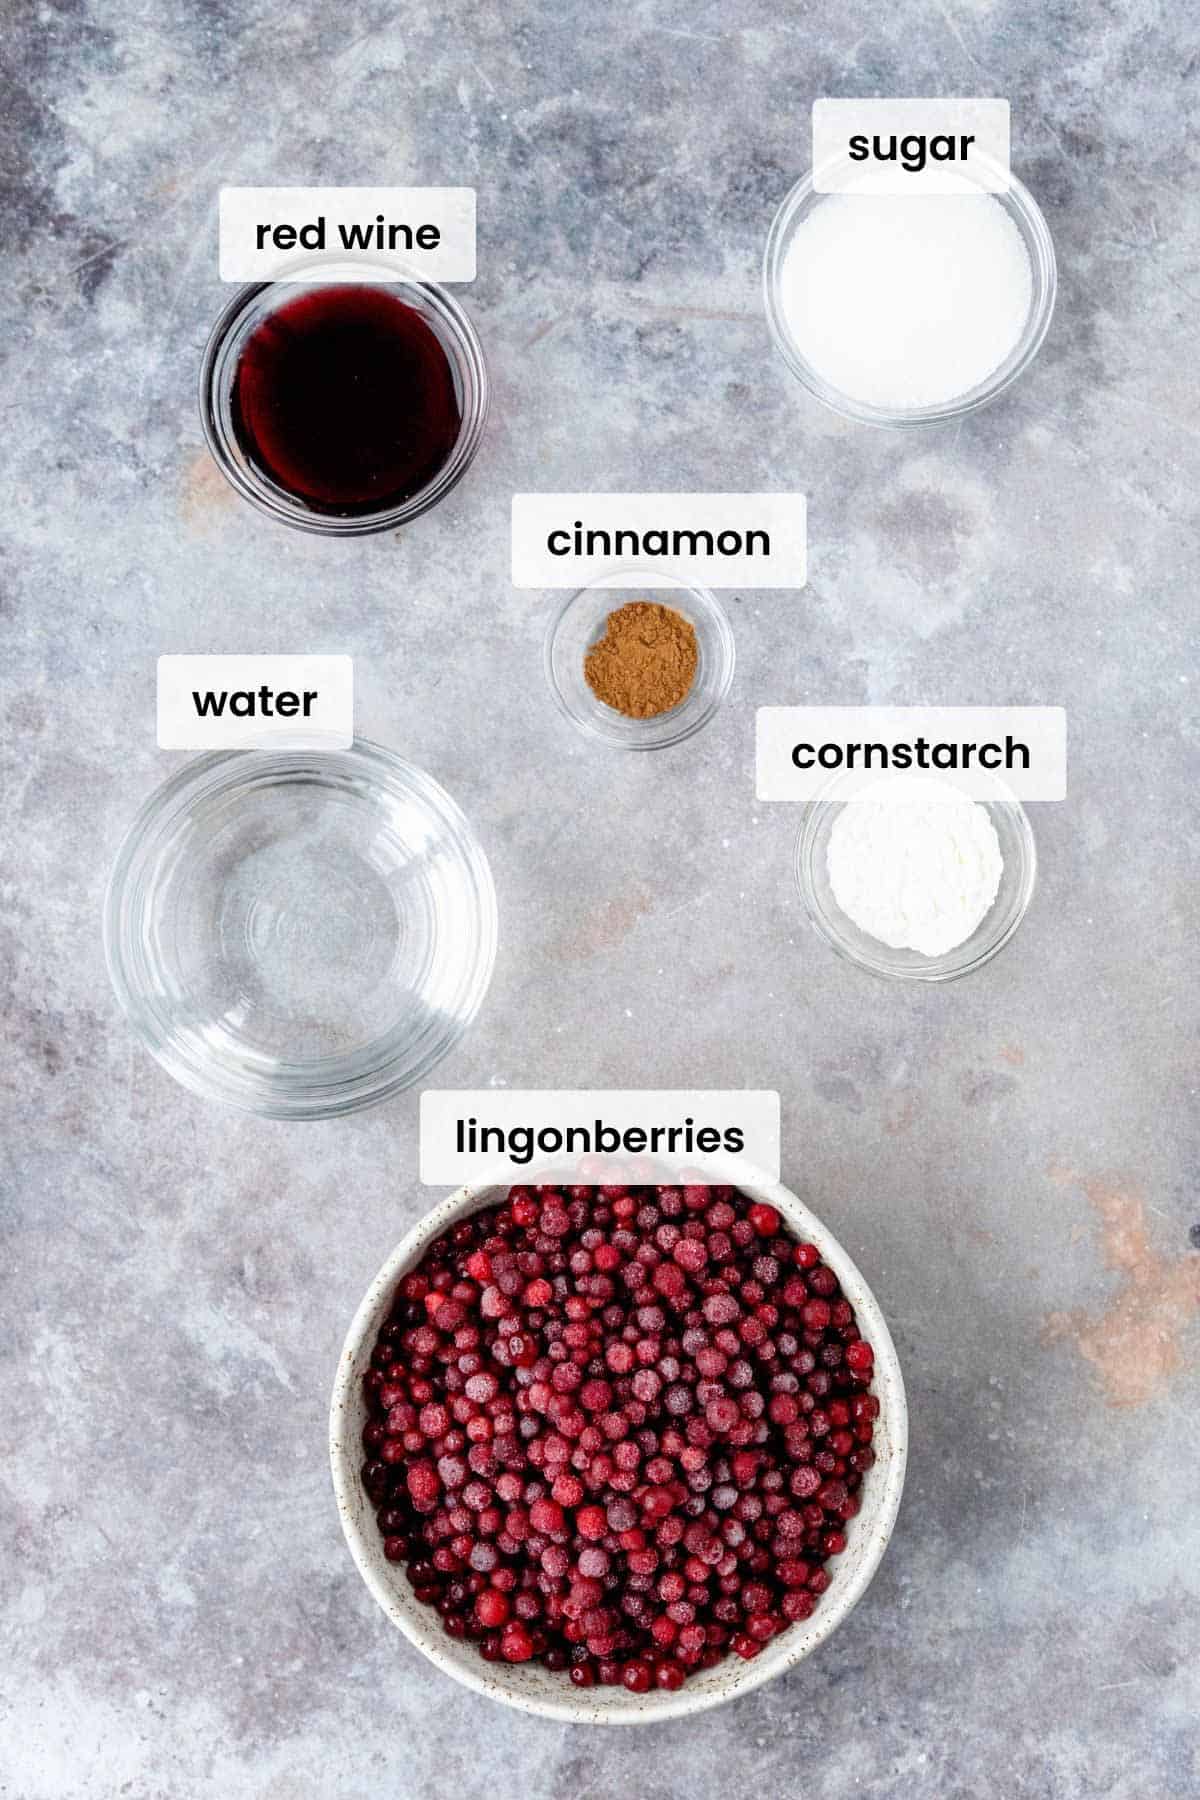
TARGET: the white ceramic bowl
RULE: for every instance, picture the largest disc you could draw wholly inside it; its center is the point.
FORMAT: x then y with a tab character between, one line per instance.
528	1686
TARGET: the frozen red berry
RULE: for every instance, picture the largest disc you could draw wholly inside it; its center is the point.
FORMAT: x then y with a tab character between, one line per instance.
516	1645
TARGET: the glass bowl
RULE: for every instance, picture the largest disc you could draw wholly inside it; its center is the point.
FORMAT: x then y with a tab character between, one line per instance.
300	933
1026	215
579	623
857	946
246	311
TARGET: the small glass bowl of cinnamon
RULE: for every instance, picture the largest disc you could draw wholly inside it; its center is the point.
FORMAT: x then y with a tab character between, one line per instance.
582	625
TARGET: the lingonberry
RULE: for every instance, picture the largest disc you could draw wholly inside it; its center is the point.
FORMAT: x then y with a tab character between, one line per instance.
491	1608
765	1220
516	1645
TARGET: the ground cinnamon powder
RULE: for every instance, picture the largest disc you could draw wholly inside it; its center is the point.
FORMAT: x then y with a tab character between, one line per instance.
646	661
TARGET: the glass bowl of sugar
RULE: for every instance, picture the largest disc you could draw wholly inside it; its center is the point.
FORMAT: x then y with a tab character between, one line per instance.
923	888
908	309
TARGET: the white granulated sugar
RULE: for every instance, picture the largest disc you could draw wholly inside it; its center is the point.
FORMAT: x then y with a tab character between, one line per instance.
902	301
919	872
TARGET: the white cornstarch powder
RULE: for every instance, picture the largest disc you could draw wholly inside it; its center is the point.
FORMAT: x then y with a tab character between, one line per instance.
902	301
918	872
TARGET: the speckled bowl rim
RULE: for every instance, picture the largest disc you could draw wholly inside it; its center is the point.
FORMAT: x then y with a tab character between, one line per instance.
530	1688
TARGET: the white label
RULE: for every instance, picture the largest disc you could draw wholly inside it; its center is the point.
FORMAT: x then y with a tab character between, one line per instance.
845	752
347	234
716	540
255	702
591	1136
910	146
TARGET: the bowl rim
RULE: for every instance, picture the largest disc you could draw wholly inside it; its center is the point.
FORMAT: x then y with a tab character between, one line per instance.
1018	201
326	1093
420	1626
817	813
640	734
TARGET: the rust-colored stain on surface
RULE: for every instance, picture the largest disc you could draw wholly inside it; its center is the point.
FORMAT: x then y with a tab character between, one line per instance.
1013	1055
605	927
205	493
900	1114
1136	1343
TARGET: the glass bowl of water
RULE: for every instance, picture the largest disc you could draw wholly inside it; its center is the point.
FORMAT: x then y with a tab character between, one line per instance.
300	933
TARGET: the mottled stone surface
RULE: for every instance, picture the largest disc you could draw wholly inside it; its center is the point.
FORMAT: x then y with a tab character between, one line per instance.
1012	1160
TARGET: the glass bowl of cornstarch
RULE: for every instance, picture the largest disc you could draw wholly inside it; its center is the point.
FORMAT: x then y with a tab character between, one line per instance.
924	887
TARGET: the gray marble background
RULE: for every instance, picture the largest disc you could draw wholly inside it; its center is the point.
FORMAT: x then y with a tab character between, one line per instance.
1012	1160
